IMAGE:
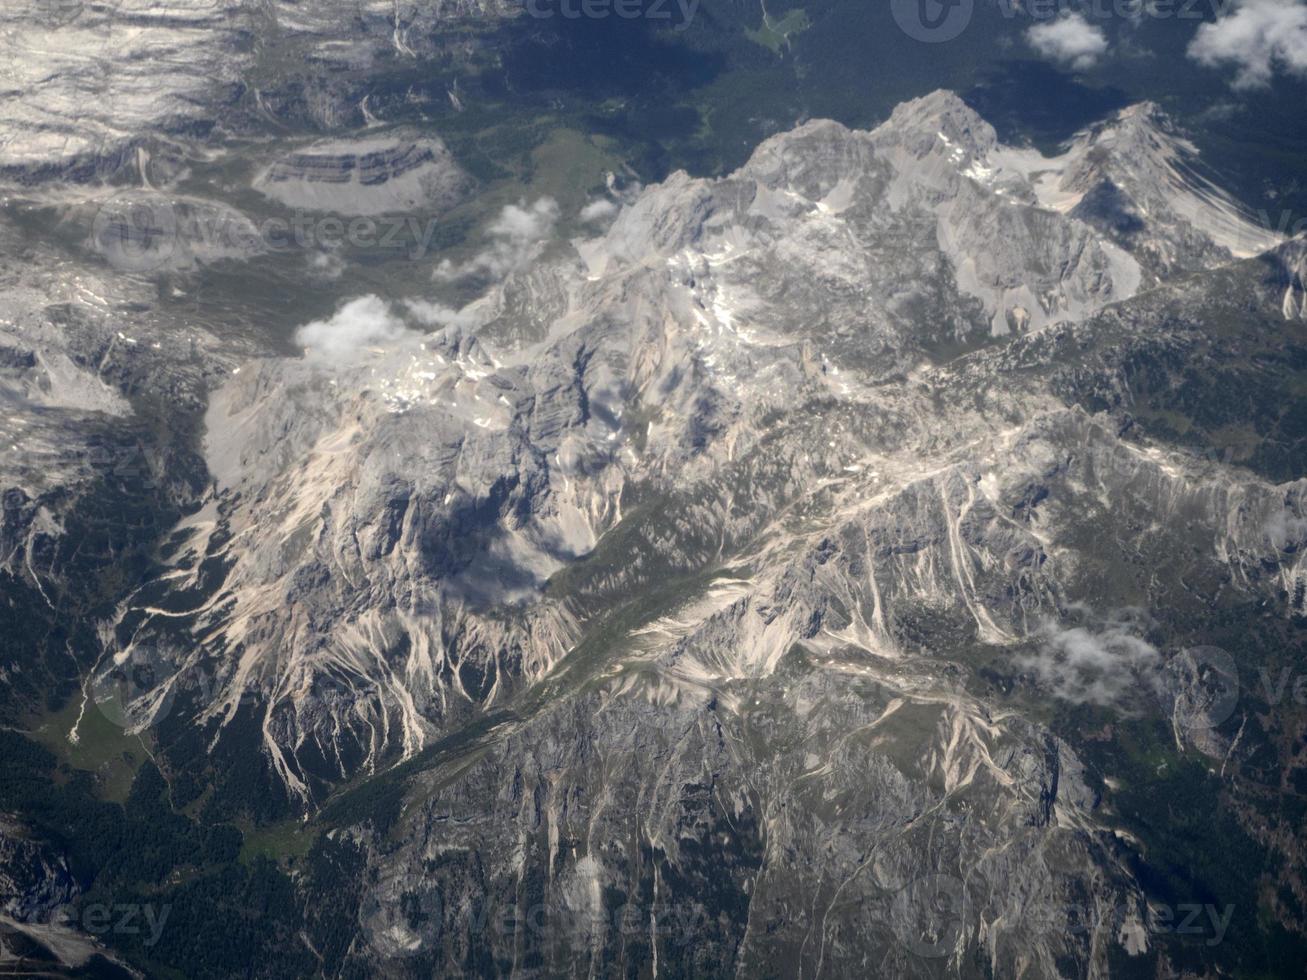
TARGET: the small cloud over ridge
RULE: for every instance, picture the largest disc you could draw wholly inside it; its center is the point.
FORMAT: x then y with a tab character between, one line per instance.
358	325
1257	39
1068	40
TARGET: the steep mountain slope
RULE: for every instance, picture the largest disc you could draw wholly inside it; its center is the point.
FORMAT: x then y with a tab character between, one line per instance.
744	589
1138	180
385	518
831	721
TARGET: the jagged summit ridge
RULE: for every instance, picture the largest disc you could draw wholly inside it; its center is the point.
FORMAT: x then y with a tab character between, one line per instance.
373	513
710	563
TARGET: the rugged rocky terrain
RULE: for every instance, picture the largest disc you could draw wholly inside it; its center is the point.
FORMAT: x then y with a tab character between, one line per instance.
729	344
89	83
860	564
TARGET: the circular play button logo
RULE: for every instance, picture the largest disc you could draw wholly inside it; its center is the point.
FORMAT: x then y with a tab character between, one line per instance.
932	21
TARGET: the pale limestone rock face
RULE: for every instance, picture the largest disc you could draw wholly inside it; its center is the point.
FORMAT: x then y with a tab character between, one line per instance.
671	562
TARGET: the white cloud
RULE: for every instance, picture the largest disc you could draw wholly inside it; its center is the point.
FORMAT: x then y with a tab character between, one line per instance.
516	236
1069	40
359	324
1087	666
326	265
1284	528
1259	37
598	209
439	315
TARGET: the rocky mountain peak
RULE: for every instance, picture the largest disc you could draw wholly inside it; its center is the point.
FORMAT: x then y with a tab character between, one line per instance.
941	116
406	492
433	543
1140	181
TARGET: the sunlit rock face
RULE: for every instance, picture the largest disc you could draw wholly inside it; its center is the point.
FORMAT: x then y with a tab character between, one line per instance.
697	593
426	517
90	83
